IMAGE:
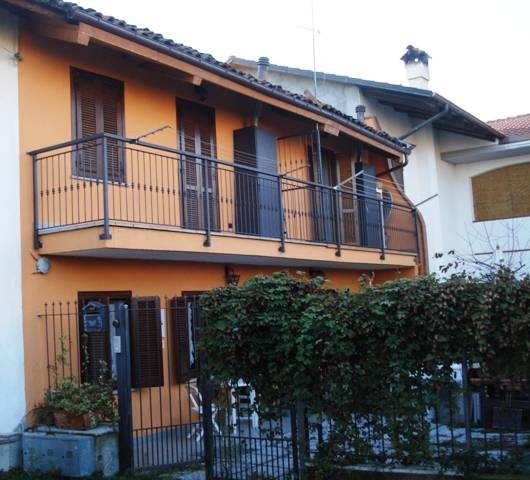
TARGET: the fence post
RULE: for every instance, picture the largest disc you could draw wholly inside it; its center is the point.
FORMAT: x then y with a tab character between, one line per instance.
381	228
125	435
106	231
36	242
207	396
294	443
338	223
206	201
467	404
301	437
281	219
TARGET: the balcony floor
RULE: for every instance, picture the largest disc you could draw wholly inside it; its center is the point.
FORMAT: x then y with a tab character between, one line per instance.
132	242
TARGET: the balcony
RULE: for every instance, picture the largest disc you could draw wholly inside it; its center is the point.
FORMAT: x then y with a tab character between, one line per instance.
109	196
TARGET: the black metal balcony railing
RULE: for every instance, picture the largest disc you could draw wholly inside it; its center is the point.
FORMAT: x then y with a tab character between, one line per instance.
108	180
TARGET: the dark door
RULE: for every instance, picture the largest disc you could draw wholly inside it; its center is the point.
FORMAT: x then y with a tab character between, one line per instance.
196	130
323	198
257	207
98	360
369	208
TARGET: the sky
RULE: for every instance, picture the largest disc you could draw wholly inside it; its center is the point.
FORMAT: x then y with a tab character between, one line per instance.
480	49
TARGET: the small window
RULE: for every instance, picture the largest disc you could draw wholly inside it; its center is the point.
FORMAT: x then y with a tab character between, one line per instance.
97	108
502	193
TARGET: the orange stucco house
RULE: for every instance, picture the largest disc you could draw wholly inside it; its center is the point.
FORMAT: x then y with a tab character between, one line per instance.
149	172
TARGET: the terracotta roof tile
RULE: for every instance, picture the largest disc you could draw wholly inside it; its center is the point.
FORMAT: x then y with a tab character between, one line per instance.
71	9
518	126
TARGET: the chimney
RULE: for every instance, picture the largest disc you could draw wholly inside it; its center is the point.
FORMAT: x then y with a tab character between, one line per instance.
417	67
360	110
263	66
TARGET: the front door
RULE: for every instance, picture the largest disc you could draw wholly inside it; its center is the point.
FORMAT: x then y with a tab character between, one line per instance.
196	131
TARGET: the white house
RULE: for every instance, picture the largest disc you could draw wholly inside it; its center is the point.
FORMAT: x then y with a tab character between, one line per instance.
470	178
11	335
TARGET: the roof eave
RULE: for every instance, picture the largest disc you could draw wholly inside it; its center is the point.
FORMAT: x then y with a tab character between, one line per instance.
107	26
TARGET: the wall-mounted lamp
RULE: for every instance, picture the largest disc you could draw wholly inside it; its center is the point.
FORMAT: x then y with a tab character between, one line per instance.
315	273
230	276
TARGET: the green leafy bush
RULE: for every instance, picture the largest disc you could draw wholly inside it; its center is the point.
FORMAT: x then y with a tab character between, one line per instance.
385	351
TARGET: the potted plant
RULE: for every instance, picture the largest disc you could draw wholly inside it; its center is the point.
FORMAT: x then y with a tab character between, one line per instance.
80	406
73	405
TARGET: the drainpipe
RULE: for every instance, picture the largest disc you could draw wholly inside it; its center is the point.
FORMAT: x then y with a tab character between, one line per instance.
417	128
426	122
397	167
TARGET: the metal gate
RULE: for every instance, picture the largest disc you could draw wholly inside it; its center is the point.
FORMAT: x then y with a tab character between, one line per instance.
170	413
178	424
160	426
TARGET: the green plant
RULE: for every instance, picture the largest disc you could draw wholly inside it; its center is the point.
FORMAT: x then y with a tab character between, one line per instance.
75	398
386	350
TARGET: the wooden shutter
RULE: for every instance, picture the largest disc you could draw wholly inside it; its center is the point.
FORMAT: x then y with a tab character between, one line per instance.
98	104
196	124
86	117
146	343
182	309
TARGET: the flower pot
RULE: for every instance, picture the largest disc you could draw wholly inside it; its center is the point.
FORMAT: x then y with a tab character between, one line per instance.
70	421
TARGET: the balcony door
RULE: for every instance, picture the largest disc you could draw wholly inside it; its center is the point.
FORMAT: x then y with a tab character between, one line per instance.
324	206
196	134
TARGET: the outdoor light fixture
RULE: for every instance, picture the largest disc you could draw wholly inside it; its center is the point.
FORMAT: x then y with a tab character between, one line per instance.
315	273
230	276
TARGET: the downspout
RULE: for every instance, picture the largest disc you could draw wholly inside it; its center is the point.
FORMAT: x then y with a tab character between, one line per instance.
425	123
417	128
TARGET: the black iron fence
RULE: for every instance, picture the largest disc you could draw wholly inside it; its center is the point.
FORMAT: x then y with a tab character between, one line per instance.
170	414
107	180
481	424
477	422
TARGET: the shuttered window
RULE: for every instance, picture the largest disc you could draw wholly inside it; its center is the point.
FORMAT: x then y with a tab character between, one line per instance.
186	321
98	362
502	193
98	108
196	131
146	342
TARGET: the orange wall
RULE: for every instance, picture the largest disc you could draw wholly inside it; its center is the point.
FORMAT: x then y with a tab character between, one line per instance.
45	119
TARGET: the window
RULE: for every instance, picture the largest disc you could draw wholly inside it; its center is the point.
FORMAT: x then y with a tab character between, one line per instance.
97	108
98	358
502	193
196	134
186	320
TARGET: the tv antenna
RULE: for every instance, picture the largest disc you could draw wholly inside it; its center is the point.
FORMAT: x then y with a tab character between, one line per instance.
313	31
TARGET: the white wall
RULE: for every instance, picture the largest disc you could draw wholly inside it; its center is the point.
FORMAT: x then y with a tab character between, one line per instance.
511	234
11	340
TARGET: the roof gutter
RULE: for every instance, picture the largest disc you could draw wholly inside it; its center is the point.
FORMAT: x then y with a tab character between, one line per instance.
489	152
423	124
74	14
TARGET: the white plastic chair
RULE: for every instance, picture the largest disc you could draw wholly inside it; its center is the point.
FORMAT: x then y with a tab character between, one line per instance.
196	406
253	417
